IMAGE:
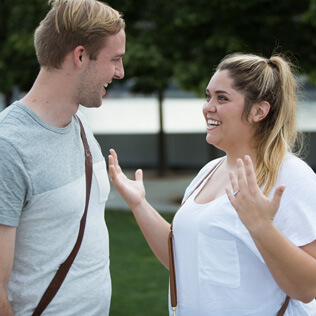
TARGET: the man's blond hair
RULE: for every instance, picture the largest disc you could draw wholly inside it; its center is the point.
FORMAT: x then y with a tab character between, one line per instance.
71	23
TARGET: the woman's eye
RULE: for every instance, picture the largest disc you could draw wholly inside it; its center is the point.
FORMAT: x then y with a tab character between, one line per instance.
207	97
222	98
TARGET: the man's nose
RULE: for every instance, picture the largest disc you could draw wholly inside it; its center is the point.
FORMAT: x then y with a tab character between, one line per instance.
119	71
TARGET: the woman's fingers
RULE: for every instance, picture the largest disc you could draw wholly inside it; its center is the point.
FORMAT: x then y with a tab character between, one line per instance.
114	167
276	199
247	181
244	181
114	156
241	177
250	174
139	175
234	182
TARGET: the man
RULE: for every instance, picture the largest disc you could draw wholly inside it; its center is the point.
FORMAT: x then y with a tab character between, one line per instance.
79	46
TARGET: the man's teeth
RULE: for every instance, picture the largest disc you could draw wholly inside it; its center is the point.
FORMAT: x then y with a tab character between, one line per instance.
106	85
211	122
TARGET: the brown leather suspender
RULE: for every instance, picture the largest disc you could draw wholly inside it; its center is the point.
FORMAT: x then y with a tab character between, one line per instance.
64	268
284	306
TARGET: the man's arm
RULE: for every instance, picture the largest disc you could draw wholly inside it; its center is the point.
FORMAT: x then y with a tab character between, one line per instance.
7	245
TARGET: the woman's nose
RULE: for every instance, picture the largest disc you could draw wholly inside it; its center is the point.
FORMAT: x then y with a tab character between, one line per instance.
209	106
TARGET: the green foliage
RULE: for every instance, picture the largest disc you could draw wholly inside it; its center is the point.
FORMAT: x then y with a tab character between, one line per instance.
149	59
310	19
216	28
177	41
310	15
182	40
18	64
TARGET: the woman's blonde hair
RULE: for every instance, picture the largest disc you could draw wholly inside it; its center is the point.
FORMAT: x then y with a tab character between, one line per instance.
272	80
71	23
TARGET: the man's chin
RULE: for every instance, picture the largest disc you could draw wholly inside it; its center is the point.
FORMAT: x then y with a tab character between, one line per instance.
92	105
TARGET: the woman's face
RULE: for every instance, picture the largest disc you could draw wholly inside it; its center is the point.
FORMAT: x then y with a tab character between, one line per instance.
226	128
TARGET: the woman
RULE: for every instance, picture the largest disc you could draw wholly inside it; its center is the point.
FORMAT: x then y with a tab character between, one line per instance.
245	237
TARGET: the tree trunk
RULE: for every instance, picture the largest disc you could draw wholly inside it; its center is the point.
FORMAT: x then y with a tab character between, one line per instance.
7	98
161	138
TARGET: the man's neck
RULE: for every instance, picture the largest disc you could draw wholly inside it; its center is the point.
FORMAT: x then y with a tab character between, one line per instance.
51	99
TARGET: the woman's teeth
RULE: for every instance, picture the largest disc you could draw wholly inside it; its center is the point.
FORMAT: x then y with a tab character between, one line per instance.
213	123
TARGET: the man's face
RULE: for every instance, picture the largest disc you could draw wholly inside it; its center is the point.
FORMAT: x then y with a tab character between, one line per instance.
99	73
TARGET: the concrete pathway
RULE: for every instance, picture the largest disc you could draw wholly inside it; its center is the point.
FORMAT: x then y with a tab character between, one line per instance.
163	193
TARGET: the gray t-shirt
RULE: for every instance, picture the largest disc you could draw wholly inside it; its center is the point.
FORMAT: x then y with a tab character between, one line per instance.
42	193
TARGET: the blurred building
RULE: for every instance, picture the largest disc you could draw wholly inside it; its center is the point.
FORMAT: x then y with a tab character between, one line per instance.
130	124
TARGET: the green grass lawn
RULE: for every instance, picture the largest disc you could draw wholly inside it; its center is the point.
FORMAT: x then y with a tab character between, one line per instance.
139	280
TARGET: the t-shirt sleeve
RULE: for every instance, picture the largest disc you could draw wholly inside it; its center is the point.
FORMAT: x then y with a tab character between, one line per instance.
13	184
296	217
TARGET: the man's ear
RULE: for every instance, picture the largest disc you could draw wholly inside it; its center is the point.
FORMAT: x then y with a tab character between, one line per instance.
79	55
259	111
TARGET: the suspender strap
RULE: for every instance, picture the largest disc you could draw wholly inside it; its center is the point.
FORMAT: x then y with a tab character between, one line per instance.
284	306
64	267
172	273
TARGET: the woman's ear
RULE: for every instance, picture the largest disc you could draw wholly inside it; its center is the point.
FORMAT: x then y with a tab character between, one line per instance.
259	111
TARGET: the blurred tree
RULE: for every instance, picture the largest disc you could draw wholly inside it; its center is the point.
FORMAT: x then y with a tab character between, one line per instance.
310	19
177	41
216	28
150	53
18	63
182	41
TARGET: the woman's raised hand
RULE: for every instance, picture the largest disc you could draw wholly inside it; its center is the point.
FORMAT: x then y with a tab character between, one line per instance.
132	191
253	207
